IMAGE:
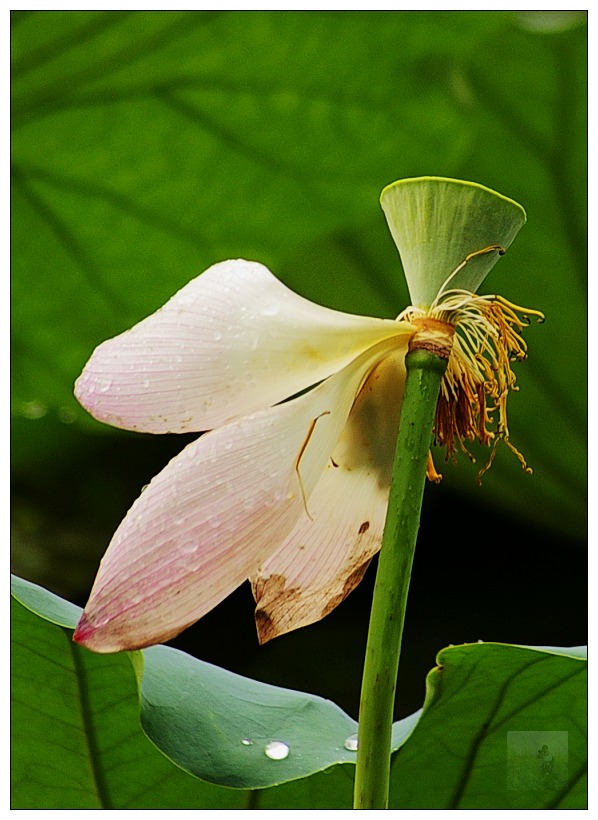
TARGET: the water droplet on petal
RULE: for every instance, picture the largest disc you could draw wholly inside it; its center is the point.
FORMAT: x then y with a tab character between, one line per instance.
351	743
247	741
217	336
276	750
188	547
270	310
105	386
102	621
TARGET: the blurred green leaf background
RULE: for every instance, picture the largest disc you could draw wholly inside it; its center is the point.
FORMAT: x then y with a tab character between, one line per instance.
148	145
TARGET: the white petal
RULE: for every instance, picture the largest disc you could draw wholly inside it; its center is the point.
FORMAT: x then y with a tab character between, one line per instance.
233	341
324	558
214	514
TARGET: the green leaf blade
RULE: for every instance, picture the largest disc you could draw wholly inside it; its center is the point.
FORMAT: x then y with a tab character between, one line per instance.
479	697
453	754
40	784
77	741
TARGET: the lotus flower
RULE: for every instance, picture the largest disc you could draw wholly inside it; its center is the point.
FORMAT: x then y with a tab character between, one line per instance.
290	488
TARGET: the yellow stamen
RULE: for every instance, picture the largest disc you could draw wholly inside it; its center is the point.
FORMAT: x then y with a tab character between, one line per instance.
473	399
431	473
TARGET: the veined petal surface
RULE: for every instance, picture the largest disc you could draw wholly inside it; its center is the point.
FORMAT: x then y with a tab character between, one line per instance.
215	513
232	341
436	223
326	554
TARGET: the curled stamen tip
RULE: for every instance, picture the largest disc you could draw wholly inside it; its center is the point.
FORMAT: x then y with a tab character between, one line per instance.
541	319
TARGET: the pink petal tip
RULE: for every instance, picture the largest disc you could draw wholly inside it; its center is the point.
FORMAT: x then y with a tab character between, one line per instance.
84	631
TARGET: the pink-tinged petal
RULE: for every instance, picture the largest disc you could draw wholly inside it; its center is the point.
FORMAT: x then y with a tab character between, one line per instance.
214	514
232	341
324	557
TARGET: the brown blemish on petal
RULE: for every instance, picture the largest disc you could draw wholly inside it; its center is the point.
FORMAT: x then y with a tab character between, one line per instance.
283	604
274	584
265	626
351	582
270	592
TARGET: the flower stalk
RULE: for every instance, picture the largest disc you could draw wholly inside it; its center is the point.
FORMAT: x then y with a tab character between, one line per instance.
426	364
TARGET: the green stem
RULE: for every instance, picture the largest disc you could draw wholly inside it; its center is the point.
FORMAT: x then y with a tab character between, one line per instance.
424	375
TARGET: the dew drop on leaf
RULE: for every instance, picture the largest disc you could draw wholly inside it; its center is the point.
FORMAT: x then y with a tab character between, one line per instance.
351	743
276	750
